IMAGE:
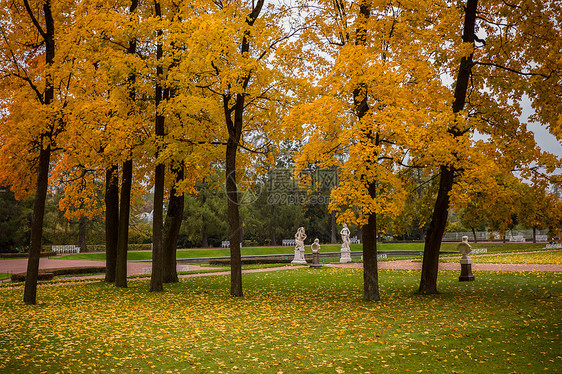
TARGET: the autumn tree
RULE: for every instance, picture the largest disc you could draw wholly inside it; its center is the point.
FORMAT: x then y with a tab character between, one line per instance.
107	124
506	49
372	111
33	103
232	58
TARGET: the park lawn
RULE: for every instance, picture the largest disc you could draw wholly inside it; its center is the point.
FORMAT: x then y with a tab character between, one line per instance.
300	320
223	252
544	257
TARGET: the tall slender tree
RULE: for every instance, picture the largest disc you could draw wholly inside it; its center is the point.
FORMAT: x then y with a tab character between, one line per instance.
27	55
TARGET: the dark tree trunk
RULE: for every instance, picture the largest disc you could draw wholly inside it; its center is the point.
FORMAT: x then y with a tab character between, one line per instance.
48	35
370	264
428	283
82	228
534	234
204	236
435	233
123	229
111	221
272	225
30	291
174	218
157	277
334	238
233	220
474	234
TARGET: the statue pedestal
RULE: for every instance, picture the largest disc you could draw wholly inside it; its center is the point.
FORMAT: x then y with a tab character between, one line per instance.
466	270
345	256
315	260
299	258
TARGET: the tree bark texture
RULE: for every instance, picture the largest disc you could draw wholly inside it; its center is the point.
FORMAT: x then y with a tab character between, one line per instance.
123	229
82	229
435	233
30	291
370	264
428	283
334	238
111	221
233	220
174	218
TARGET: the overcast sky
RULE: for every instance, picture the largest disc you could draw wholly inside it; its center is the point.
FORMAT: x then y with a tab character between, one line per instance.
544	139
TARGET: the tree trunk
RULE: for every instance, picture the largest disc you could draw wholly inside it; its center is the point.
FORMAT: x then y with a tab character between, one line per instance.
174	218
370	263
435	233
82	227
428	283
534	234
157	277
111	221
474	234
204	236
233	220
30	291
123	229
334	238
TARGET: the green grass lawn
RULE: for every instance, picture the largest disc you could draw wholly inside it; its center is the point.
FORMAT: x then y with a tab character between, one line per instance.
301	320
545	257
217	252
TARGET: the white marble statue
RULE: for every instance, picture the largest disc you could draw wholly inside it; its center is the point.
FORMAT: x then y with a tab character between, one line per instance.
315	246
345	251
300	236
315	254
464	248
345	234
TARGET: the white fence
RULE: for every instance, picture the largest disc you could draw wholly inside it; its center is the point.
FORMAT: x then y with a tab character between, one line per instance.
479	250
512	236
60	249
148	269
226	244
288	242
